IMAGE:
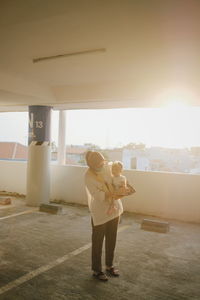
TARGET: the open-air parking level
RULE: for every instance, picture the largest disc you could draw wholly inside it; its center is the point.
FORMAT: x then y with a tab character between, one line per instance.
109	55
45	256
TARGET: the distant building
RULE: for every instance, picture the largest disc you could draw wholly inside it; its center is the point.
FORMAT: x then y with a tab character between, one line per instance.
113	154
13	151
135	159
159	159
75	154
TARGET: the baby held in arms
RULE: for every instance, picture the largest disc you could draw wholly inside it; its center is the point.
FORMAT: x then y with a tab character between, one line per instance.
119	184
119	181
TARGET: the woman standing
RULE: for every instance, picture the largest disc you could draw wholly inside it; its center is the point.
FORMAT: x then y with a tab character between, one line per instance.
103	224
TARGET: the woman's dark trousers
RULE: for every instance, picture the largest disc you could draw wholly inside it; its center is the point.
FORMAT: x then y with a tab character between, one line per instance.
109	231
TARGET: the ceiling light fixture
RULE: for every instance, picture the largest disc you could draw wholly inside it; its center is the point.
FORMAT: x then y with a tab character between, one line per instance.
39	59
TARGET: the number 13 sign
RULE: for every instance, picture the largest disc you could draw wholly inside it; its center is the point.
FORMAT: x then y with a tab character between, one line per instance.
39	123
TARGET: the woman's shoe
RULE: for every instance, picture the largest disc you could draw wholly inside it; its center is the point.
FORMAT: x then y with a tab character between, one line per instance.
101	276
112	272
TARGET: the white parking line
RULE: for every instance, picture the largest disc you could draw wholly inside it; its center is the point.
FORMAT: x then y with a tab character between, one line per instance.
21	213
45	268
122	228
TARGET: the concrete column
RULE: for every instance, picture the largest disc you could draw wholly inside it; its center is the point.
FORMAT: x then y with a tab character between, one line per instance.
39	155
62	138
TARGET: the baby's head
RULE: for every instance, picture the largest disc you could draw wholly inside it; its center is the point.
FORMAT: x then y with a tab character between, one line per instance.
117	168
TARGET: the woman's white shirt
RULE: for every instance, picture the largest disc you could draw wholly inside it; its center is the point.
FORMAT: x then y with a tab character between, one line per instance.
98	206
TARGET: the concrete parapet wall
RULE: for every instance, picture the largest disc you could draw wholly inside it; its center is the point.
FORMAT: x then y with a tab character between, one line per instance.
167	195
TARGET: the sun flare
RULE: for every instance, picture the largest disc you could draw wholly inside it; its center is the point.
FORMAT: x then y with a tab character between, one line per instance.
176	105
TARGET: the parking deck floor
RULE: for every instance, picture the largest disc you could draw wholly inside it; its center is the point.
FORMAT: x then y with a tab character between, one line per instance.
45	256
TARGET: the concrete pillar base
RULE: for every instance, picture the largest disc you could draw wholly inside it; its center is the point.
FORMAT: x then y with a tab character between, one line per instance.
38	175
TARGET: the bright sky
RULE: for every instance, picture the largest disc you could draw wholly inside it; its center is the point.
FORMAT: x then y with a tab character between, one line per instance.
174	127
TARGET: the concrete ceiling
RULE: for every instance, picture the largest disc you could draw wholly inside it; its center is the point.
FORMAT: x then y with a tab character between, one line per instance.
152	50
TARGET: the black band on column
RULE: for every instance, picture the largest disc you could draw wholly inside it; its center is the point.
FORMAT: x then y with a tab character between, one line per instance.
39	123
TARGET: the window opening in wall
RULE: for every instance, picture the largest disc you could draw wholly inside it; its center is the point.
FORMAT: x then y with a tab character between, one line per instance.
147	139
